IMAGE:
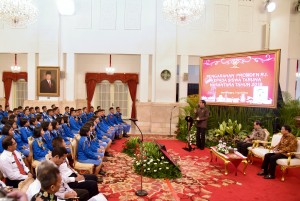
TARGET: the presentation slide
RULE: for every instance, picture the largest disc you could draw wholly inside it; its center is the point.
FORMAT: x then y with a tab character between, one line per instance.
243	79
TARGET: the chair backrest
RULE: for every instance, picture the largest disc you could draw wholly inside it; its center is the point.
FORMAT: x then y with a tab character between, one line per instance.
267	134
24	185
298	148
74	147
276	139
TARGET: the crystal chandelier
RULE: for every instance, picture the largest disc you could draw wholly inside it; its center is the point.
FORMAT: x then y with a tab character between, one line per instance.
18	13
183	11
15	68
110	70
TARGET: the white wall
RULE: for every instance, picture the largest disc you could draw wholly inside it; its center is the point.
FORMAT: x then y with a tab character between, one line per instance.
130	28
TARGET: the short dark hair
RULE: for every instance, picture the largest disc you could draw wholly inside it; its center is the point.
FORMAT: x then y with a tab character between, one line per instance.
38	117
49	110
257	122
37	132
117	108
111	108
59	151
287	127
23	121
48	175
48	72
45	125
84	130
54	124
44	107
12	117
32	120
204	102
67	107
7	141
58	119
37	107
57	142
4	120
66	119
5	129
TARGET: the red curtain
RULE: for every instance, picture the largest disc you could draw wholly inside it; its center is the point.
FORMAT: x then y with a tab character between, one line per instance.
131	79
7	78
132	85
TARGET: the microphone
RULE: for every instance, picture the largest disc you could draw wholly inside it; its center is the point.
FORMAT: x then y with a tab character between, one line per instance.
132	119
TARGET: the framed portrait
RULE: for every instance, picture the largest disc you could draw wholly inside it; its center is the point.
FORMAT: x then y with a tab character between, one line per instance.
48	81
247	79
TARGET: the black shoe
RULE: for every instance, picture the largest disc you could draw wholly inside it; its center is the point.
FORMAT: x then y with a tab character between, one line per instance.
262	173
108	154
269	177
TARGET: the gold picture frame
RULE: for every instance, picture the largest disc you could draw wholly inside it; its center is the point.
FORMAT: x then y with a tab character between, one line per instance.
48	81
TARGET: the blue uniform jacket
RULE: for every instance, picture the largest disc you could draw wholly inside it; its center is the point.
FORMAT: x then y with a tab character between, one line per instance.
84	149
40	149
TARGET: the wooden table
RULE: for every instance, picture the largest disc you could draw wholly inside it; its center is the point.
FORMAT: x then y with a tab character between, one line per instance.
235	158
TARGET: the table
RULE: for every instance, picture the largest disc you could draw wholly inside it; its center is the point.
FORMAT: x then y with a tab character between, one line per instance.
235	158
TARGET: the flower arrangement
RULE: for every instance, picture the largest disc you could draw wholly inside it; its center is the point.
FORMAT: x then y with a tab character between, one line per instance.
222	148
153	163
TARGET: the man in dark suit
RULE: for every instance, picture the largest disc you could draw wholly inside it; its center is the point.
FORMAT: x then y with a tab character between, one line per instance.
48	85
201	117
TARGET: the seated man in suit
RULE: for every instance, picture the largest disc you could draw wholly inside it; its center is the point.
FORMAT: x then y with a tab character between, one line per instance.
257	134
11	163
48	85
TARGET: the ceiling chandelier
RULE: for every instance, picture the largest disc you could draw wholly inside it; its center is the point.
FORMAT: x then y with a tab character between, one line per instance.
183	11
110	70
18	13
15	68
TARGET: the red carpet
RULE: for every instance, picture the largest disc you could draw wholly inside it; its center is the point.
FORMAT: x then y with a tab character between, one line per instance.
201	179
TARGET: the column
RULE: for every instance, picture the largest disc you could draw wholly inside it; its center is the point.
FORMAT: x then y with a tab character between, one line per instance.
70	77
183	84
31	76
144	78
291	77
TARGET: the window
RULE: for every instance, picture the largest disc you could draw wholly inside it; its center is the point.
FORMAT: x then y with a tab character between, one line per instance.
19	93
113	95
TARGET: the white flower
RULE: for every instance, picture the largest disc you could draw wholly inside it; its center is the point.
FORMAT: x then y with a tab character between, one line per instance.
144	165
159	168
158	160
155	163
148	168
155	170
148	163
162	157
166	162
151	160
145	160
144	170
167	168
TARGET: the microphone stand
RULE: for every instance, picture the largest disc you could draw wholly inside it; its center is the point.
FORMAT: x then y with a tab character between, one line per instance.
171	120
141	192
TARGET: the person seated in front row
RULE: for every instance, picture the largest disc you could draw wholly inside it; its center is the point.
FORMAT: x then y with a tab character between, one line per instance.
7	130
25	132
85	154
257	134
288	143
11	163
72	177
39	146
126	126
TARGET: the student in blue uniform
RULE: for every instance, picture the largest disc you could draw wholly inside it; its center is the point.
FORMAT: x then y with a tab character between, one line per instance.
105	125
91	113
48	136
49	116
73	122
3	122
21	146
39	146
25	132
112	119
85	155
66	127
32	112
44	112
7	130
126	126
39	119
84	118
62	133
67	111
5	113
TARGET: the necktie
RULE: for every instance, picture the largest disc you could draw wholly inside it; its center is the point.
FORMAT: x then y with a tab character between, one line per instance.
49	84
20	167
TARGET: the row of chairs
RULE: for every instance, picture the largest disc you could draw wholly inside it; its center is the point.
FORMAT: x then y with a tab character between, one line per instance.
260	148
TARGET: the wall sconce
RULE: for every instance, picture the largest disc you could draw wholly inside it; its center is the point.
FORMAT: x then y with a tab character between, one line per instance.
270	6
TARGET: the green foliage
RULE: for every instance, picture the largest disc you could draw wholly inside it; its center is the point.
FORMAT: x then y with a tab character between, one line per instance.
154	164
131	146
245	115
289	109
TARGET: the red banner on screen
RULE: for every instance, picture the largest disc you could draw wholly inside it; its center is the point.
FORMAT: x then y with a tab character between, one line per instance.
249	80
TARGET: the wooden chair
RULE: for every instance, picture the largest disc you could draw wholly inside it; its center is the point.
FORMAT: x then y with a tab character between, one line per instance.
290	162
33	163
77	165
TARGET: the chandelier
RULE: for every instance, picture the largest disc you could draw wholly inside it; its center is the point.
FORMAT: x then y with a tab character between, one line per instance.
183	11
18	13
110	70
15	68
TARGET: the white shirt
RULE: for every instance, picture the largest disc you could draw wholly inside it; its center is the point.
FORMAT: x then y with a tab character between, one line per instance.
33	189
66	171
9	167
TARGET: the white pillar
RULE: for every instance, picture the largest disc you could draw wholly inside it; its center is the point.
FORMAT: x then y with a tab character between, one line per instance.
144	78
291	77
70	77
279	37
165	58
31	76
183	84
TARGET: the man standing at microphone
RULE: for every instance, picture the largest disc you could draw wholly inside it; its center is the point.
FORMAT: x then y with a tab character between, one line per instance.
201	117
